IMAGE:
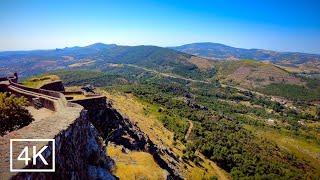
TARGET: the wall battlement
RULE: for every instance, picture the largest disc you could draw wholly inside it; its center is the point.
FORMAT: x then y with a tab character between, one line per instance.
50	96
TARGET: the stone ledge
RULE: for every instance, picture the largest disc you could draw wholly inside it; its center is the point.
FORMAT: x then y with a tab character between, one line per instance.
46	128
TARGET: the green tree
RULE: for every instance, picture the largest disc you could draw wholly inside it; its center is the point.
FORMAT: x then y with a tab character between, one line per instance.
13	114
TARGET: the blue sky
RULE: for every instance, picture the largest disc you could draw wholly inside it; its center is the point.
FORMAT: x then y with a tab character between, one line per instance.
269	24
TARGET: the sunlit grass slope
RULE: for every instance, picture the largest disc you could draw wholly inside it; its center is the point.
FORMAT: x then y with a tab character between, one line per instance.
147	117
135	165
38	81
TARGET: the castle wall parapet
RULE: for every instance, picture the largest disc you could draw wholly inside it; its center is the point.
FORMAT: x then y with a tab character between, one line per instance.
50	99
54	86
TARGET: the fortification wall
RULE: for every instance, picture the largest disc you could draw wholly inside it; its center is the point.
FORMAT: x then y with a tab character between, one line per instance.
91	102
72	92
50	99
9	85
3	87
3	79
54	86
46	102
41	91
80	151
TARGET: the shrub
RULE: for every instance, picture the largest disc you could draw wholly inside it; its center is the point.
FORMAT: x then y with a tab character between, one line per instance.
13	114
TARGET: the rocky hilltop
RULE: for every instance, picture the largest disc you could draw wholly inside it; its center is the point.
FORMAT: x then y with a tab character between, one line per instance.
80	154
81	129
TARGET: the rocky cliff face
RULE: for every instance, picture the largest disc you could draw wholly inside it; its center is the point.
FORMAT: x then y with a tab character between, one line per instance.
80	154
81	151
120	130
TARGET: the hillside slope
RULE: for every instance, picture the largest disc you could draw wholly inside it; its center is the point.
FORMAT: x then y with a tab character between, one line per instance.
223	52
252	74
134	60
96	57
267	78
225	125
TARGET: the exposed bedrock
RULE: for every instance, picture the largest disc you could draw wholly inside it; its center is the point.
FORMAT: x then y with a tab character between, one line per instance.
120	130
80	154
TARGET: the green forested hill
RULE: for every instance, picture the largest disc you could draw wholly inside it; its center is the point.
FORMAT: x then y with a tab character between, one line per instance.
249	74
248	135
222	52
95	56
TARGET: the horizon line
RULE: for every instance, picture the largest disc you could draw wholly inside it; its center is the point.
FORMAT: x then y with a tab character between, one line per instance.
82	46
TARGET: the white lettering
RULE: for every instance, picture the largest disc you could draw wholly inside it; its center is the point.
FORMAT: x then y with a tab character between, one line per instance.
26	157
38	154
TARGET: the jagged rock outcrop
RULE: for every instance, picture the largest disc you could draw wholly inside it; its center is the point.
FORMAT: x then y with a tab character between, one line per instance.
122	131
80	154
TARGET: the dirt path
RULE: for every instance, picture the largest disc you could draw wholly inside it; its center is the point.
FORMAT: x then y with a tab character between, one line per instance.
166	75
150	124
190	80
189	130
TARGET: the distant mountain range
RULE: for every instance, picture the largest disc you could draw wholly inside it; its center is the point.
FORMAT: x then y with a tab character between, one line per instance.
223	52
96	56
180	60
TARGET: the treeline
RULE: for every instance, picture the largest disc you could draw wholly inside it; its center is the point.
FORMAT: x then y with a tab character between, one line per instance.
293	92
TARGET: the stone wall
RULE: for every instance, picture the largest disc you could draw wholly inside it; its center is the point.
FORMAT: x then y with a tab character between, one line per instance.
52	100
80	154
80	150
91	103
54	86
3	79
3	84
41	91
3	88
45	101
51	96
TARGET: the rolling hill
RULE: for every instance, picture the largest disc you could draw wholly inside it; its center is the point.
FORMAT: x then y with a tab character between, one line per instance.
251	74
216	117
95	56
134	60
223	52
175	60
